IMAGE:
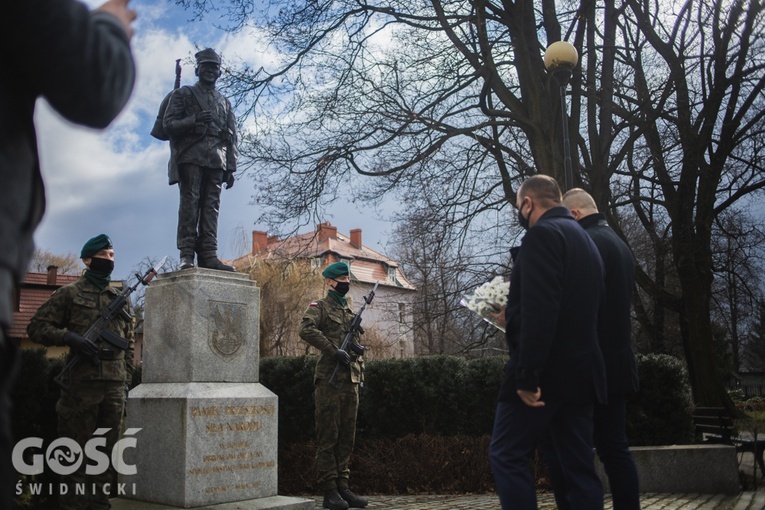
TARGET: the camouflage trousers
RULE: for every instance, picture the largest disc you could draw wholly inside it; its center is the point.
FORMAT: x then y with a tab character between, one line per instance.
336	411
82	409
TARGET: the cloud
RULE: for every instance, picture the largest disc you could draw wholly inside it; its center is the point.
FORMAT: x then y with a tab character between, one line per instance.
115	181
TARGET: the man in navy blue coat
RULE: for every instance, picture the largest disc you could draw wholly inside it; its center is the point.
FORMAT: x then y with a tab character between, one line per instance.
615	338
555	373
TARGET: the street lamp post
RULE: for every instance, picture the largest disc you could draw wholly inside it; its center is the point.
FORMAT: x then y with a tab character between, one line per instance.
560	59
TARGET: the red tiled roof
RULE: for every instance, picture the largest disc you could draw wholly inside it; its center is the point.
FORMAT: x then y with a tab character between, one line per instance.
367	265
34	291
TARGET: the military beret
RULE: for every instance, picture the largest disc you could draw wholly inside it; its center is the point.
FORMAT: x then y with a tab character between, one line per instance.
335	270
207	55
94	245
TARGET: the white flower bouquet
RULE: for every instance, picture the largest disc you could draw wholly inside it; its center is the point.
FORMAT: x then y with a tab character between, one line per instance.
488	299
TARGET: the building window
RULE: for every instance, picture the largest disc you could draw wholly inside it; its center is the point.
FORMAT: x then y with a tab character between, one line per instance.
402	313
392	273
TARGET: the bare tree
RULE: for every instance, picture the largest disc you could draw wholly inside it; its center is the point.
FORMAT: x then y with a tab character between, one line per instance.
695	111
737	266
286	289
443	269
65	264
666	112
754	347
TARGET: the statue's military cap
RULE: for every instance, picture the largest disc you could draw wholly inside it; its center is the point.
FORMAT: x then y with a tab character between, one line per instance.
207	55
94	245
335	270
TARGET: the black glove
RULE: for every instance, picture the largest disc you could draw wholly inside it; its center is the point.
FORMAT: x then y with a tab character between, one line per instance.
342	357
82	345
229	178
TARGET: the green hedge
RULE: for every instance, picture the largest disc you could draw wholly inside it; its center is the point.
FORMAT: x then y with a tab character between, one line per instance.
660	414
433	395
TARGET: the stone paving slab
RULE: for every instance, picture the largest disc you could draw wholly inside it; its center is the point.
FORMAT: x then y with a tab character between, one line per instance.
744	501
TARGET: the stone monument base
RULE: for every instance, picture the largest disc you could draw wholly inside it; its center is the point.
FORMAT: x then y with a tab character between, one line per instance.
201	443
270	503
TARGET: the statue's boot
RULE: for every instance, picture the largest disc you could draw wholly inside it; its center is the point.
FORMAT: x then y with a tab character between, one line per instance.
187	260
212	262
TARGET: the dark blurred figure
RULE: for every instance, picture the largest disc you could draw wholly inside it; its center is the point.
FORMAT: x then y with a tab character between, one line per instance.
81	63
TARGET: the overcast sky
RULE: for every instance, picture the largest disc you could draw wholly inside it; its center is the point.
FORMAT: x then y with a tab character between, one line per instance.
115	181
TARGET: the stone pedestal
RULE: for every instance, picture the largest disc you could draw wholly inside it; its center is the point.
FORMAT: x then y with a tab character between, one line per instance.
208	429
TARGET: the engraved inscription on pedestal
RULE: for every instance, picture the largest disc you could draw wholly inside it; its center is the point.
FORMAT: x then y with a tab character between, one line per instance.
233	457
227	326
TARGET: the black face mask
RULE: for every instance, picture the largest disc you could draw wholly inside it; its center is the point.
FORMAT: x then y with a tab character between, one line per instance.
342	288
101	266
524	222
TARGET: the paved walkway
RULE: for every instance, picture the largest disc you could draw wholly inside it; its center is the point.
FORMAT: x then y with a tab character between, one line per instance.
744	501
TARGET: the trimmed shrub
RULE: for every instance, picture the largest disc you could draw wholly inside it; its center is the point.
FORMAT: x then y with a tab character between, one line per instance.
291	378
413	396
482	380
660	413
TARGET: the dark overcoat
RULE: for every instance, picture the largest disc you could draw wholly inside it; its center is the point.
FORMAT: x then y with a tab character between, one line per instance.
615	324
556	287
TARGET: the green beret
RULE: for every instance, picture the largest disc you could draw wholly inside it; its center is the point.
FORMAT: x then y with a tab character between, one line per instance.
94	245
335	270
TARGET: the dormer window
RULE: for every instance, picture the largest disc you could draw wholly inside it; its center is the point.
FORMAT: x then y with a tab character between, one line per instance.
391	273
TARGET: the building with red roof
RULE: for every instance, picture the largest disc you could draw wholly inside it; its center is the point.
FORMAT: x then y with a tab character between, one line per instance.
389	315
34	290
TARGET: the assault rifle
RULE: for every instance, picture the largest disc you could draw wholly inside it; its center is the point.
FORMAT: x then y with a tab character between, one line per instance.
98	331
349	342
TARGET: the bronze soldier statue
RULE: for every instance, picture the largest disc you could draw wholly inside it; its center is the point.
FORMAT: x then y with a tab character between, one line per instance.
201	125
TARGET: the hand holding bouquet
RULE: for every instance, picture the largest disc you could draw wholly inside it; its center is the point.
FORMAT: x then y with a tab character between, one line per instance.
488	299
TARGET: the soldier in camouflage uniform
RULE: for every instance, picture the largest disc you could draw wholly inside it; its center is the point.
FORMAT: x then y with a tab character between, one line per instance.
96	397
324	326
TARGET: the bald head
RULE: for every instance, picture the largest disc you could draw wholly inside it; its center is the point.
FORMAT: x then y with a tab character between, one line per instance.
580	203
543	188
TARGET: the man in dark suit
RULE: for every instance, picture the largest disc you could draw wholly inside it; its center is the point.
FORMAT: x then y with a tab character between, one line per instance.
555	373
615	338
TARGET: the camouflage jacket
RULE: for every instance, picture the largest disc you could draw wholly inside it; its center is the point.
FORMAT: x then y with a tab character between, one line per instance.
75	307
324	325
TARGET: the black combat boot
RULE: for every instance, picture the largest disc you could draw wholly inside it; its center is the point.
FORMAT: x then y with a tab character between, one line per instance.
333	501
214	263
353	500
187	260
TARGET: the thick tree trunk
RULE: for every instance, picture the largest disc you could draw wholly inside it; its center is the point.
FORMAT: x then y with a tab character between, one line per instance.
706	380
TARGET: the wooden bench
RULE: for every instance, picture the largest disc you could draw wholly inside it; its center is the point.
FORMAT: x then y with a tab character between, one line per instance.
716	425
